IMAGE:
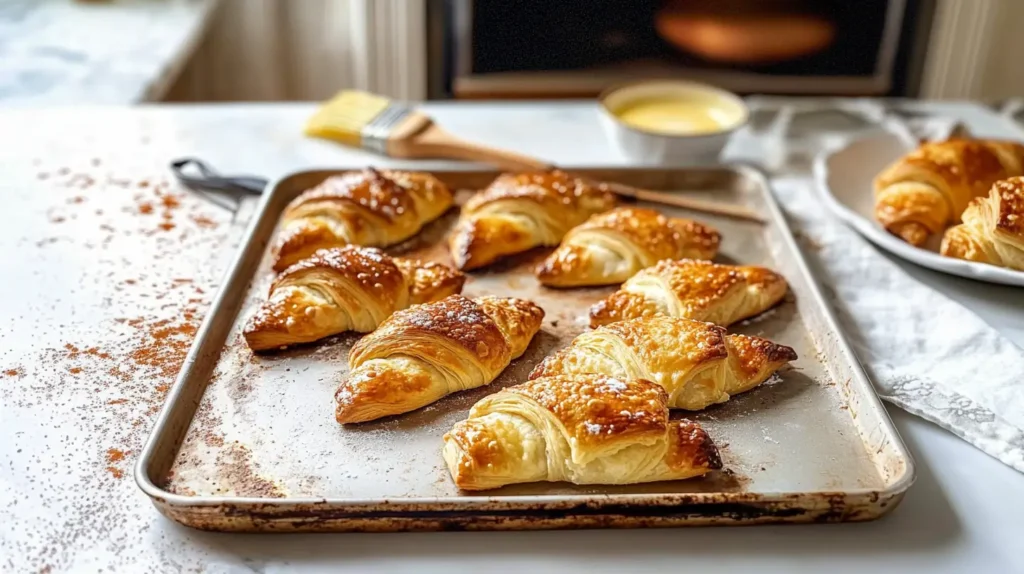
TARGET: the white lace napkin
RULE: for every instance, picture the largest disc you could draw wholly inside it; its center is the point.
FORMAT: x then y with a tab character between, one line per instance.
925	353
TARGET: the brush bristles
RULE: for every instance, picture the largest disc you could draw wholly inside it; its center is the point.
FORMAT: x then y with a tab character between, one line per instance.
344	116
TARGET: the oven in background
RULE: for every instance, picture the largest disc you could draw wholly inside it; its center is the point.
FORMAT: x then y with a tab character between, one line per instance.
483	49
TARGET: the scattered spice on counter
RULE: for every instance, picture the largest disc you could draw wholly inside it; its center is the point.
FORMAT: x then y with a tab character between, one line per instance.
203	221
96	382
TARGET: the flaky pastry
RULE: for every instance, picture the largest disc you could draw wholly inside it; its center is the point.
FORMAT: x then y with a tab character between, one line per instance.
370	208
344	289
518	212
697	363
700	290
583	429
993	228
929	188
428	351
610	247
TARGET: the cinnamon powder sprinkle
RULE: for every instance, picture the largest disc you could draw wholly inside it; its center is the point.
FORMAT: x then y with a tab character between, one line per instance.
105	387
203	221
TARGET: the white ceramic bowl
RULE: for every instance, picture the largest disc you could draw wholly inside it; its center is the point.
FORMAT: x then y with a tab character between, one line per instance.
646	146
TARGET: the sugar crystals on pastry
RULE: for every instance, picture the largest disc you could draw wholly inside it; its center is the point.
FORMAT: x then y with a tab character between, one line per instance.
610	247
370	208
582	429
697	363
344	289
993	228
428	351
700	290
518	212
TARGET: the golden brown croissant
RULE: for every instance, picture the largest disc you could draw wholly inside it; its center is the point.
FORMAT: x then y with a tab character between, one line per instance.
583	429
929	188
697	363
518	212
370	208
700	290
611	247
428	351
993	228
344	289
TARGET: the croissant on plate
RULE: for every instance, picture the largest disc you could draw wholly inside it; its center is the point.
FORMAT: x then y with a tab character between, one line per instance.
610	247
700	290
697	363
428	351
928	189
583	429
370	207
347	288
518	212
993	228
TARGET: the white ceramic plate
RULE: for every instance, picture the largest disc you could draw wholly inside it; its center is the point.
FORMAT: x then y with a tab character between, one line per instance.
845	179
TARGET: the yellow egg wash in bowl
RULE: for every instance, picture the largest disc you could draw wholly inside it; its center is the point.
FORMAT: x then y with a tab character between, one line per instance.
671	120
677	116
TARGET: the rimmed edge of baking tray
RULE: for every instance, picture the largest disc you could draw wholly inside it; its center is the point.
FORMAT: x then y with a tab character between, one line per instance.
232	513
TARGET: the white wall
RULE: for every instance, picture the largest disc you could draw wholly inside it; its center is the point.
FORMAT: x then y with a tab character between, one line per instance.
307	50
976	50
1004	70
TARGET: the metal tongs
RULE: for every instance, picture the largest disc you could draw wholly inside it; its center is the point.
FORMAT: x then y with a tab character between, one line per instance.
224	191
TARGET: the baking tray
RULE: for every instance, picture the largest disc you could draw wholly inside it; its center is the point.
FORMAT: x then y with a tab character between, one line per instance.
249	443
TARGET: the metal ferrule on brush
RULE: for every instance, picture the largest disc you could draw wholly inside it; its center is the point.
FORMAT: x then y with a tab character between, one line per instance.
374	136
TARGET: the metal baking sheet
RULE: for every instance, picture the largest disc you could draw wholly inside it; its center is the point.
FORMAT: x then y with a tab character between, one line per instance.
249	443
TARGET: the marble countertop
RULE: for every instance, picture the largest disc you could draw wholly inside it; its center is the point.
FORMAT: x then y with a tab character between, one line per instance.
106	255
123	52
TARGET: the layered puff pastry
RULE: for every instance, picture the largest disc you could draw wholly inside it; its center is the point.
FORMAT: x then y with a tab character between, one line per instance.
582	429
370	208
428	351
700	290
697	363
610	247
928	189
993	228
518	212
344	289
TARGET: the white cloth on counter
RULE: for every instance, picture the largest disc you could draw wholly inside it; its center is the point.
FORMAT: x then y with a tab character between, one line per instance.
924	352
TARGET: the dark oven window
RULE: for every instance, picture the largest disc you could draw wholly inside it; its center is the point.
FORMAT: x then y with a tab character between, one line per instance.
545	35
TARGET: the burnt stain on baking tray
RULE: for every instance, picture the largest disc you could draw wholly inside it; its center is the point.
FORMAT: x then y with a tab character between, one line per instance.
674	511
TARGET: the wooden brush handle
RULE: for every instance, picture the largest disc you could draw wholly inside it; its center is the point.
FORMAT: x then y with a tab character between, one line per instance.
684	202
434	142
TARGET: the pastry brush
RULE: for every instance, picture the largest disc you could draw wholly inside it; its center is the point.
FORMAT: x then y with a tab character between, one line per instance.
375	123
